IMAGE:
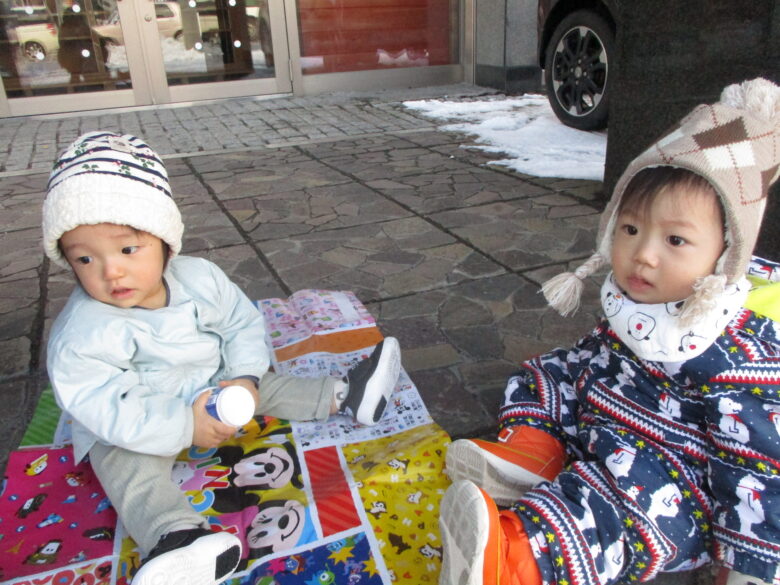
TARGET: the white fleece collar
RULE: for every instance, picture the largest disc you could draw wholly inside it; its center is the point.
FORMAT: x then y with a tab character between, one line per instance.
653	332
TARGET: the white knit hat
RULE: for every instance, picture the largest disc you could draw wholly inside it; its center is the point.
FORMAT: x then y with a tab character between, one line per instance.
103	177
735	145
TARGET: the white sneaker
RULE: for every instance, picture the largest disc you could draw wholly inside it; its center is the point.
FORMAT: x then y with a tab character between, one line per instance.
371	382
497	468
190	557
466	521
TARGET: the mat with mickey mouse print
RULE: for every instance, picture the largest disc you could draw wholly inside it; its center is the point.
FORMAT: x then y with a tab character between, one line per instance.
314	503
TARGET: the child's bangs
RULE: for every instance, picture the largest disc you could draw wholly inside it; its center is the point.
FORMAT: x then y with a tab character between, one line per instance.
647	184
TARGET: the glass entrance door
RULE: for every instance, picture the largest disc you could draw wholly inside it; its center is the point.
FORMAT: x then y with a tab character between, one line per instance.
61	55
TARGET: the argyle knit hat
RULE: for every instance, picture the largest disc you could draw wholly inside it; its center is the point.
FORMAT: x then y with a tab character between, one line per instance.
103	177
735	145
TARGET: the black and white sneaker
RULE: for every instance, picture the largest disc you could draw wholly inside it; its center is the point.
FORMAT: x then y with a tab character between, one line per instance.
190	557
372	381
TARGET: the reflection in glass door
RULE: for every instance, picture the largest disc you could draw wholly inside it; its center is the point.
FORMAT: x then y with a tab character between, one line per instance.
137	52
50	47
204	40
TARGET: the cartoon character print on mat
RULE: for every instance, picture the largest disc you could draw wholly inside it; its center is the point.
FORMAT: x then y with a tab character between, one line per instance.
347	561
129	561
100	533
49	509
46	553
376	509
431	552
263	459
259	494
309	311
38	465
271	526
76	478
31	505
400	483
263	468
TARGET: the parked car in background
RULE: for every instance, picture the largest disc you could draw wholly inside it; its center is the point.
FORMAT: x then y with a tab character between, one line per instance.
168	16
169	21
576	45
35	32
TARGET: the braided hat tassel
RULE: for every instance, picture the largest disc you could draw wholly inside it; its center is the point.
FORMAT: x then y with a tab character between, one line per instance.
563	291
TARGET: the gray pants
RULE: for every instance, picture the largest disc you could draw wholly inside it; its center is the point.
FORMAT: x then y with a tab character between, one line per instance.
140	487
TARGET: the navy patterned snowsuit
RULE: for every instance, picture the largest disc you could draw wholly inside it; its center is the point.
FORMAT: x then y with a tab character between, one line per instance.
650	445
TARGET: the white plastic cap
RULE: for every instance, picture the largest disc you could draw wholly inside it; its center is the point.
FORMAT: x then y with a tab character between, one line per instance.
234	405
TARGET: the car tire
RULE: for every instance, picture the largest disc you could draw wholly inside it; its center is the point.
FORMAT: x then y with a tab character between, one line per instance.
34	51
577	72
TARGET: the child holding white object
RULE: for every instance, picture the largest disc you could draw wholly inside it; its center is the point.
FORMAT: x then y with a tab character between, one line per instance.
144	332
654	441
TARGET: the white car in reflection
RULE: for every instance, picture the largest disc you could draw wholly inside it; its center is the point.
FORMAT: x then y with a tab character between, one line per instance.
35	32
168	24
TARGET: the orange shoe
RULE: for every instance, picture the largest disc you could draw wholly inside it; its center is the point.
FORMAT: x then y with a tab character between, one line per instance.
522	458
482	546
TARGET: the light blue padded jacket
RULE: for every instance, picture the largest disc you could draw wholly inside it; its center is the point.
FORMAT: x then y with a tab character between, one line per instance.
127	377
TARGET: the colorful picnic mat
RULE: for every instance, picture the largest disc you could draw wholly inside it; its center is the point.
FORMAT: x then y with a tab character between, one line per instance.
315	503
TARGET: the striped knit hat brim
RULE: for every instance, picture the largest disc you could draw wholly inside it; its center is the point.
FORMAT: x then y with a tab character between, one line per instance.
103	177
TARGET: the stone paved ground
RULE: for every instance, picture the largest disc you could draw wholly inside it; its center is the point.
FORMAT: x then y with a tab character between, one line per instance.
337	192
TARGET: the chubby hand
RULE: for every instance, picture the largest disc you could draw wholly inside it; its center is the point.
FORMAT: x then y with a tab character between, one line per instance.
246	383
208	432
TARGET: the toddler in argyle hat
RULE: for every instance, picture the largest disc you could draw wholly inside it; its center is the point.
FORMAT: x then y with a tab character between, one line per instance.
654	442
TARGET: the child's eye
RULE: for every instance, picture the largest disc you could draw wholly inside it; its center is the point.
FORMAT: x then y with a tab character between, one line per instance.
83	259
676	240
630	229
129	249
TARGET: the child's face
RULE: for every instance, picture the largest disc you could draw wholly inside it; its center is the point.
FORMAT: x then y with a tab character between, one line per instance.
660	252
117	265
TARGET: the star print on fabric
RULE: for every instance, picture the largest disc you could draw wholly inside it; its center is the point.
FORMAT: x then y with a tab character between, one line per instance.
370	567
341	555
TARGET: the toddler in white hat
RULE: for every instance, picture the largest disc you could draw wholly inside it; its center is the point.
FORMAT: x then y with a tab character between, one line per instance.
144	332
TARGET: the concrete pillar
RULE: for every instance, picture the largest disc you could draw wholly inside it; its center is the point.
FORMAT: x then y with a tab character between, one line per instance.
671	56
505	45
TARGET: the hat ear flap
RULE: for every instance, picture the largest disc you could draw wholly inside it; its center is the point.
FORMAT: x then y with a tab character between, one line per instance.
706	292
